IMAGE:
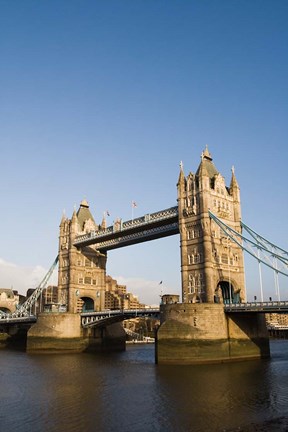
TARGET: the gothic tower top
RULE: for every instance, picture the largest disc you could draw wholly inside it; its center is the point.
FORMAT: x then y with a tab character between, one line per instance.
206	167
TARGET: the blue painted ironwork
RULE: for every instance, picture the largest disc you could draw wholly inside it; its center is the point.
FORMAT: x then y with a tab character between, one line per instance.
93	319
261	249
8	320
264	307
25	309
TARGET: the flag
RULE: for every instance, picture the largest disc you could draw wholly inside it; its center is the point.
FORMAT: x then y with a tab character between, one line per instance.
134	204
160	283
107	213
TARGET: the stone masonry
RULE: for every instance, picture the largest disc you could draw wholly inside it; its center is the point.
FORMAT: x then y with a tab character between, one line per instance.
82	272
212	266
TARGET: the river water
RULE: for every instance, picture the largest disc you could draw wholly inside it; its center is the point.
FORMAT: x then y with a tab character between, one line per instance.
127	392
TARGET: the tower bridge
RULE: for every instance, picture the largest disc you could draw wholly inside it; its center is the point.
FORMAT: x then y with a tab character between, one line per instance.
207	325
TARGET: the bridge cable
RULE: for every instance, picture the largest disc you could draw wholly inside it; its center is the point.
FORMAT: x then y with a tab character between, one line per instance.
25	309
268	257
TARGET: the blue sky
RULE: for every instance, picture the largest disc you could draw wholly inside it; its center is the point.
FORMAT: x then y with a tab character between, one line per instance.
103	99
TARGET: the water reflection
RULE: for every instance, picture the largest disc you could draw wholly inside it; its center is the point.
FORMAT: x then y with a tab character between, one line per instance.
128	392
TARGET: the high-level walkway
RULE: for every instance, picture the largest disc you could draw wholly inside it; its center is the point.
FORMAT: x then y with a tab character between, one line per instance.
148	227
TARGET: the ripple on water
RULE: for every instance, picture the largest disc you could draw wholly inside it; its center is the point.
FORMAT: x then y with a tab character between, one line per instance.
128	392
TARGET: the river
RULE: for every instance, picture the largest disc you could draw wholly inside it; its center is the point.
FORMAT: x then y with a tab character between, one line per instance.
127	392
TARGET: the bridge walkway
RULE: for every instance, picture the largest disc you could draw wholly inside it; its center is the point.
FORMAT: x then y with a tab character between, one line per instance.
148	227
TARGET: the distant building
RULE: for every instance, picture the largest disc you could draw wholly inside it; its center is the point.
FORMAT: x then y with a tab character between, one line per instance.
9	299
276	320
49	295
116	296
170	298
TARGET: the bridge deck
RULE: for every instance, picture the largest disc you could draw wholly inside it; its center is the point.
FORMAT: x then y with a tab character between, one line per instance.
89	319
92	319
262	307
149	227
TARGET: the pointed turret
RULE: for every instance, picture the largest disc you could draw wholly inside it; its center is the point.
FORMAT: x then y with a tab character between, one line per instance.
234	191
63	223
84	215
63	219
104	222
206	167
233	184
74	215
181	177
181	188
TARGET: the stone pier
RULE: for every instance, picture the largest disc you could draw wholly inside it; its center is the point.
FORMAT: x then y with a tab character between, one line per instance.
62	332
203	333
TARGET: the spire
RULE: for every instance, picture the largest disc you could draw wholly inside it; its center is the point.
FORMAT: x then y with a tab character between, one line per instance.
74	215
181	184
63	219
206	154
83	214
104	223
233	184
181	177
84	203
206	167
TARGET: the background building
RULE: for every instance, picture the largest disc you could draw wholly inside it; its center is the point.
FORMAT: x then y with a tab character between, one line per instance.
9	299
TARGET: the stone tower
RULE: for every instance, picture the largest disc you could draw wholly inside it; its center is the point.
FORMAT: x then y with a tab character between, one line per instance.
82	272
212	266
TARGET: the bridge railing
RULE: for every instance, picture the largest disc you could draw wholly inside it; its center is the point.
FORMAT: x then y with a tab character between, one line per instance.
266	306
89	319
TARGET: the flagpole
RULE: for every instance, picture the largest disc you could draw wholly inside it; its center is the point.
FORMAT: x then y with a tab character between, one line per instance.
161	293
133	204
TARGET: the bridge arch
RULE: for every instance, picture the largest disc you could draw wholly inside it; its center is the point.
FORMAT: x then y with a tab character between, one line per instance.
226	292
5	309
86	304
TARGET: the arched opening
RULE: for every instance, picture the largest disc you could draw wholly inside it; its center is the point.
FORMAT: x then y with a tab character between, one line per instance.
225	293
6	310
88	304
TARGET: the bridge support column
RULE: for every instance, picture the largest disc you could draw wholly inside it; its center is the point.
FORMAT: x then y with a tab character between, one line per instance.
248	335
202	333
55	332
62	332
109	338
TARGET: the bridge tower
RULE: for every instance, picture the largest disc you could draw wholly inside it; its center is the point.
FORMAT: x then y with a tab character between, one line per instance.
212	266
82	272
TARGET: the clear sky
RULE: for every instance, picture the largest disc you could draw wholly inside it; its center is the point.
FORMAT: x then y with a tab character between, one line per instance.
102	100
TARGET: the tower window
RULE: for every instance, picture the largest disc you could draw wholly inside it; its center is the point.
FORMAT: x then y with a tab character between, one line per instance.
224	258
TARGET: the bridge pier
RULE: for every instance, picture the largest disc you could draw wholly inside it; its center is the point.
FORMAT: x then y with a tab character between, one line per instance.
109	338
62	332
202	333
